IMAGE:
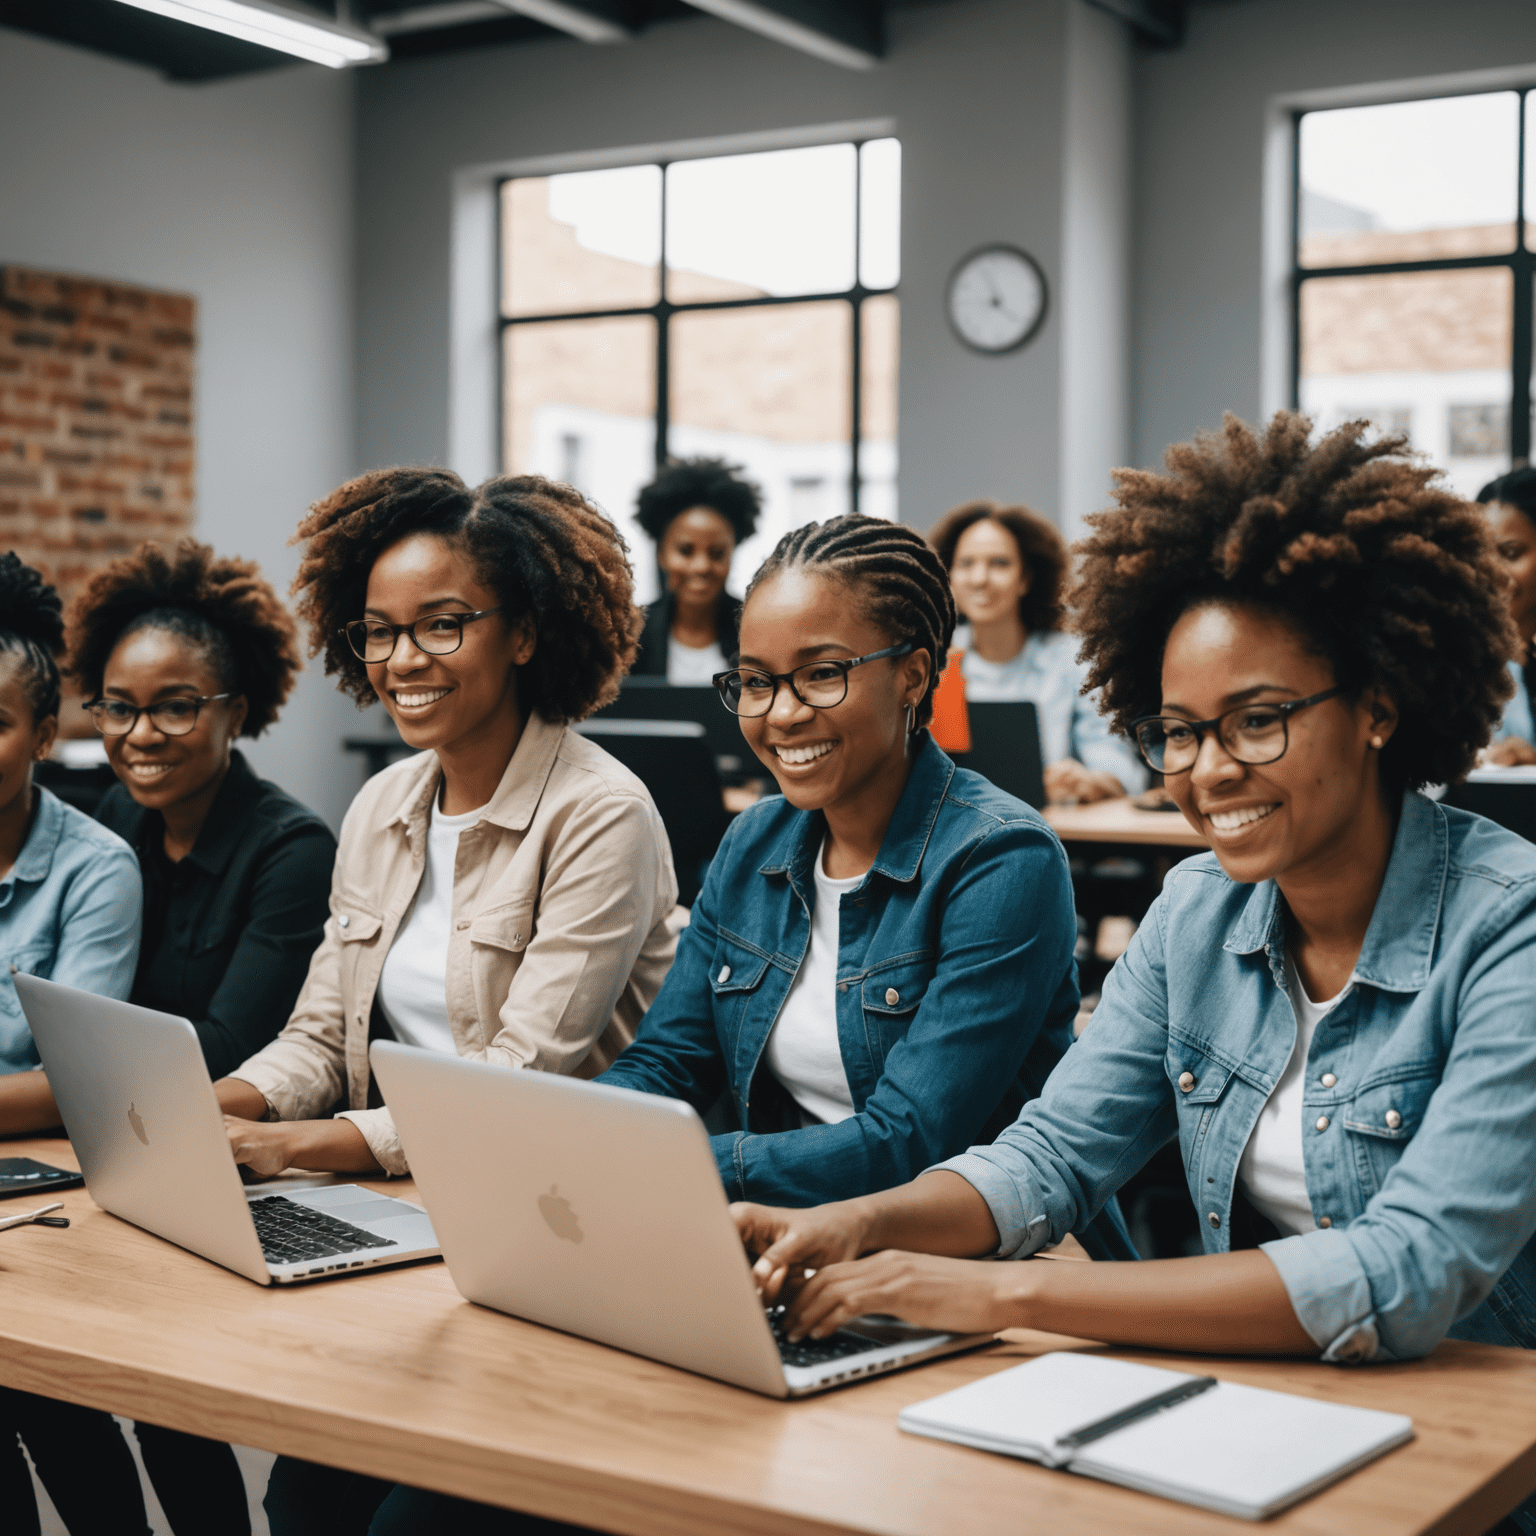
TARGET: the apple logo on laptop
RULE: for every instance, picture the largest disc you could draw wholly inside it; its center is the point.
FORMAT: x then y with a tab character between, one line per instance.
558	1215
136	1120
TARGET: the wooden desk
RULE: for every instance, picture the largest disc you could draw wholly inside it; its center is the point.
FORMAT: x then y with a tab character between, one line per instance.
1118	821
393	1374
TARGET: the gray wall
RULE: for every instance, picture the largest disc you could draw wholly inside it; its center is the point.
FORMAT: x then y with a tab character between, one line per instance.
1209	331
975	91
238	193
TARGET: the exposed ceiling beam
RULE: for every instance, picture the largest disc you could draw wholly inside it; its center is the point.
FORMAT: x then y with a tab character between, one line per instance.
593	21
1159	22
429	18
846	32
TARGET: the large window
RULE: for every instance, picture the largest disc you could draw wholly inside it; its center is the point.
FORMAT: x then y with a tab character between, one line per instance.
1414	271
742	307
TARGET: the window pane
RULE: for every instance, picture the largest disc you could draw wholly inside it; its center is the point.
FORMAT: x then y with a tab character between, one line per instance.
769	388
589	240
1422	352
1530	170
776	223
880	213
581	407
1409	181
880	343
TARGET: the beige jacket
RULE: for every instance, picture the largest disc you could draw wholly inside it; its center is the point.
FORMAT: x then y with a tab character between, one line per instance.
563	928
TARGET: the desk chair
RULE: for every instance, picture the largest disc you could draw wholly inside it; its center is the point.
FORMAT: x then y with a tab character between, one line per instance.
654	698
672	759
1005	747
1513	806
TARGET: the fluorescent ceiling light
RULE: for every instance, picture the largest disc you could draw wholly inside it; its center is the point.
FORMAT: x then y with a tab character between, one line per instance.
255	21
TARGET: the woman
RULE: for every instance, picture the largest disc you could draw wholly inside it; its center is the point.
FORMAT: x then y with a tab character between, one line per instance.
1007	567
1511	503
697	511
1299	637
879	968
69	910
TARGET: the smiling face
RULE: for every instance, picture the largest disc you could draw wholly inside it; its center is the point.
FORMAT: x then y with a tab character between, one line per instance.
22	740
989	575
1265	822
827	757
162	771
444	703
695	556
1515	535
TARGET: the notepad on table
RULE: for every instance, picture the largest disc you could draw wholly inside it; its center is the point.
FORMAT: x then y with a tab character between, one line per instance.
1239	1450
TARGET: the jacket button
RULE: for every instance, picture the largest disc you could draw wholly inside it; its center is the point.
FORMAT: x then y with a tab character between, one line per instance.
1325	1221
343	921
842	986
892	997
1393	1119
1186	1081
462	926
1328	1080
724	976
1322	1122
1214	1219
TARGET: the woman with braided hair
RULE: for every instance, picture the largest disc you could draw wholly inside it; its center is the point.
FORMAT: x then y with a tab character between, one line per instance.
1299	636
878	971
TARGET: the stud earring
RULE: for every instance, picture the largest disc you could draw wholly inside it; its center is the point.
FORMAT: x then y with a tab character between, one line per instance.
1376	742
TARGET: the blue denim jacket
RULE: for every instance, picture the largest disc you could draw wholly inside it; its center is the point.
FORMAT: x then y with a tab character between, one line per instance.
955	998
1419	1151
69	912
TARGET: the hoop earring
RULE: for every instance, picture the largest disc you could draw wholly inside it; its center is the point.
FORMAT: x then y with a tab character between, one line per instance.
911	720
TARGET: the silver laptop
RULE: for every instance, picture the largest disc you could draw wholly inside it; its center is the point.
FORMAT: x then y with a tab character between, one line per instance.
599	1211
138	1106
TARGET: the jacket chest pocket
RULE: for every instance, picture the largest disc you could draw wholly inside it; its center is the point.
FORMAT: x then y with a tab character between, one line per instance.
1199	1085
890	998
1381	1120
736	975
502	933
357	927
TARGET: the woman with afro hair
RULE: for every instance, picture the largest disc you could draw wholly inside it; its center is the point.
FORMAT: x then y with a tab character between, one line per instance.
697	511
1331	1010
1510	506
180	653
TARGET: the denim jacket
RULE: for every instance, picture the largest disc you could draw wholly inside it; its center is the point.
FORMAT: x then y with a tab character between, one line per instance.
69	912
956	990
1420	1097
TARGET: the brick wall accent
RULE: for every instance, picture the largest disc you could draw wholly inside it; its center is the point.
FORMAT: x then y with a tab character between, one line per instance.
96	420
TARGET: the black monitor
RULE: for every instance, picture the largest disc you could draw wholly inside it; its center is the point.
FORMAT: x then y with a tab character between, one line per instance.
1512	805
654	698
1005	747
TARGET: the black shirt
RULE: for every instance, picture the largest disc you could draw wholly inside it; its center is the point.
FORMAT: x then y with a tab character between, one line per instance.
656	637
230	928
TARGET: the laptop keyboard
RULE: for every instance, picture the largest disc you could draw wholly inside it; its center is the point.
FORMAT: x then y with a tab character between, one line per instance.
291	1233
814	1351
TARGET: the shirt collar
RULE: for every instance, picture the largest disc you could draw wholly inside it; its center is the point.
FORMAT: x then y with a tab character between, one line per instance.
901	849
1400	941
36	856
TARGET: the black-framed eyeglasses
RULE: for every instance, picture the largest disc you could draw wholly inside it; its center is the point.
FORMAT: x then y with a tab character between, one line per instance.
820	684
433	634
1254	734
171	717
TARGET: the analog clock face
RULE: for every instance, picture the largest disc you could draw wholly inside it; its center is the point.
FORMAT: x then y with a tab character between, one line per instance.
996	299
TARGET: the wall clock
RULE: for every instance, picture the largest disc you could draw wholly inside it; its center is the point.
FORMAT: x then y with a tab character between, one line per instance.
996	299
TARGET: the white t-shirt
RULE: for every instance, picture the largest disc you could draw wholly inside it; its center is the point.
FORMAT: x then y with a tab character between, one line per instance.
1272	1170
413	987
693	664
802	1051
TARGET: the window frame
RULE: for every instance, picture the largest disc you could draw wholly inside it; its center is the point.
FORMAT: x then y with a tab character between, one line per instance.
1520	263
663	309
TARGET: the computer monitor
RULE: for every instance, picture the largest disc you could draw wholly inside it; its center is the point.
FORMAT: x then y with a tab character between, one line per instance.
654	698
1005	747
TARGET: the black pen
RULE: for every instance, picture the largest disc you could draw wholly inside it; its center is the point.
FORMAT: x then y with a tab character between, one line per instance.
1193	1387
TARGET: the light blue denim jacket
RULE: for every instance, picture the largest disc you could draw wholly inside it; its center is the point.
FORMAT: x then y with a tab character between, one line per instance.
69	912
1518	718
1420	1155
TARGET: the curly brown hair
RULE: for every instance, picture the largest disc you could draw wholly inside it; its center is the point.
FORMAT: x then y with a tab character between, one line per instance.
1392	578
1041	548
222	605
549	555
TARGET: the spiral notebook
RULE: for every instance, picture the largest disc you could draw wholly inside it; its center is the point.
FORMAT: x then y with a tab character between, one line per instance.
1239	1450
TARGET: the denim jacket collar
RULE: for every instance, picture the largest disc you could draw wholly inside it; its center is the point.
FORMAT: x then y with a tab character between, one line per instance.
36	856
901	850
1400	942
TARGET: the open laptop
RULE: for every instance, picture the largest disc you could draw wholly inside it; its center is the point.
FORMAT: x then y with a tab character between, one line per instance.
141	1116
599	1211
1005	747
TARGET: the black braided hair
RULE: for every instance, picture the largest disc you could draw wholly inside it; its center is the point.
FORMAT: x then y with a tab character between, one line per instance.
901	580
32	628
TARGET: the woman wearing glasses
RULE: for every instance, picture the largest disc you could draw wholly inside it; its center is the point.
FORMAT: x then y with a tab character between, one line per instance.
1332	1010
879	970
180	653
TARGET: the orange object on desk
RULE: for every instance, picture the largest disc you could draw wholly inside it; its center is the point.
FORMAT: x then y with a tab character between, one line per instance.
951	726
